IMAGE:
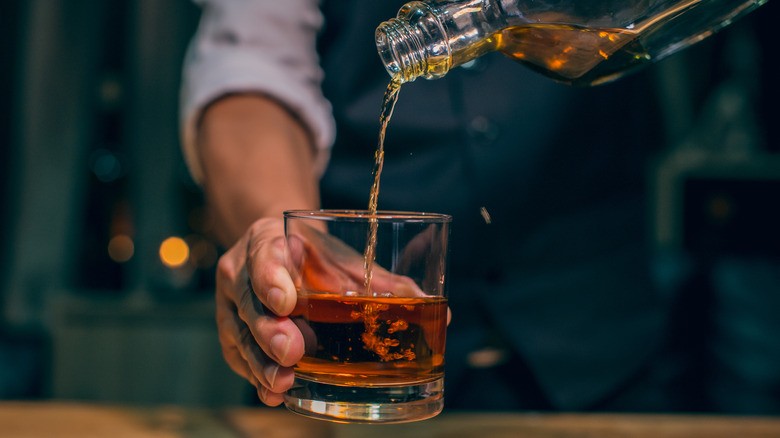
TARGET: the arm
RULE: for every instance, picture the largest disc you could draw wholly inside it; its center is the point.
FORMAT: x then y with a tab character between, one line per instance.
256	134
257	161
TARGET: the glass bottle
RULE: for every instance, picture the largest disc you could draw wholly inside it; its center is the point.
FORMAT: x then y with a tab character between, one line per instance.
585	42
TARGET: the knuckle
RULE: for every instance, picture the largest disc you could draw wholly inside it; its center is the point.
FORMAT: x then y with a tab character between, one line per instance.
248	305
225	269
245	337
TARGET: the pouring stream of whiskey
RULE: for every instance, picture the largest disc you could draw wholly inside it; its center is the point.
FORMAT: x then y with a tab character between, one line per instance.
388	103
574	55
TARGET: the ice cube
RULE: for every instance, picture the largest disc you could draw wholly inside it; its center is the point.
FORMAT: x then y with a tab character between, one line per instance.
385	294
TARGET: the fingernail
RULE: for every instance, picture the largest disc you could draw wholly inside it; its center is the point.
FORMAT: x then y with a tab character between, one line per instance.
276	299
261	392
280	345
270	374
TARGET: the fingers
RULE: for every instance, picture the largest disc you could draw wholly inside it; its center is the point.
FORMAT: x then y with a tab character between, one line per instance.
399	285
278	337
257	344
246	359
267	264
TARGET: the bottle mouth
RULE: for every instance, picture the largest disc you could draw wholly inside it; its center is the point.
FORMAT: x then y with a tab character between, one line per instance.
401	50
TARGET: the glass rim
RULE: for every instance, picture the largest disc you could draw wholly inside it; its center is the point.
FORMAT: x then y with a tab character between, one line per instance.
363	215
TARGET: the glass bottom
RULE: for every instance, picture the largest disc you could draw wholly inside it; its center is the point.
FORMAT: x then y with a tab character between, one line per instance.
375	404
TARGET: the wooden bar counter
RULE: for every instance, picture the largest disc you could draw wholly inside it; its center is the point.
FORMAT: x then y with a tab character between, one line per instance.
80	420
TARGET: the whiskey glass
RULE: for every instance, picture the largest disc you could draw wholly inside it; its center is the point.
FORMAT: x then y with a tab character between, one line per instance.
372	309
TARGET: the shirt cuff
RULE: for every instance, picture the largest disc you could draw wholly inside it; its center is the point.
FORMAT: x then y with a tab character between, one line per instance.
212	71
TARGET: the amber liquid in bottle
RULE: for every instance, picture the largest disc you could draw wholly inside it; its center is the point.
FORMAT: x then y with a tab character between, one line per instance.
574	55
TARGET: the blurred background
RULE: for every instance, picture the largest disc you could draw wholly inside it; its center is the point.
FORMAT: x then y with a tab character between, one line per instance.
106	257
106	284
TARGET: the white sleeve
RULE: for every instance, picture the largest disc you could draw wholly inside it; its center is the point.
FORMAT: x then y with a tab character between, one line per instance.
262	46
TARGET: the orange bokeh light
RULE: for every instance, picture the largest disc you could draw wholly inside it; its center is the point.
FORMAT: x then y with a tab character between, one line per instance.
174	252
121	248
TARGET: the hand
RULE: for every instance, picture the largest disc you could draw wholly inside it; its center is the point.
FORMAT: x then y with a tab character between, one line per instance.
259	341
259	344
334	267
257	160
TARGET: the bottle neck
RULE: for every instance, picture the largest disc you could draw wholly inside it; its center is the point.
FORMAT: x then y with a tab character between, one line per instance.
430	37
414	44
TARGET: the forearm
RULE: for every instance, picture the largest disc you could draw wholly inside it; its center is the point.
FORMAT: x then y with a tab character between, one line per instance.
258	161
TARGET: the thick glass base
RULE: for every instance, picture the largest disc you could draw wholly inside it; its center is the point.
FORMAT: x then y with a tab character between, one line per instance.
374	404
